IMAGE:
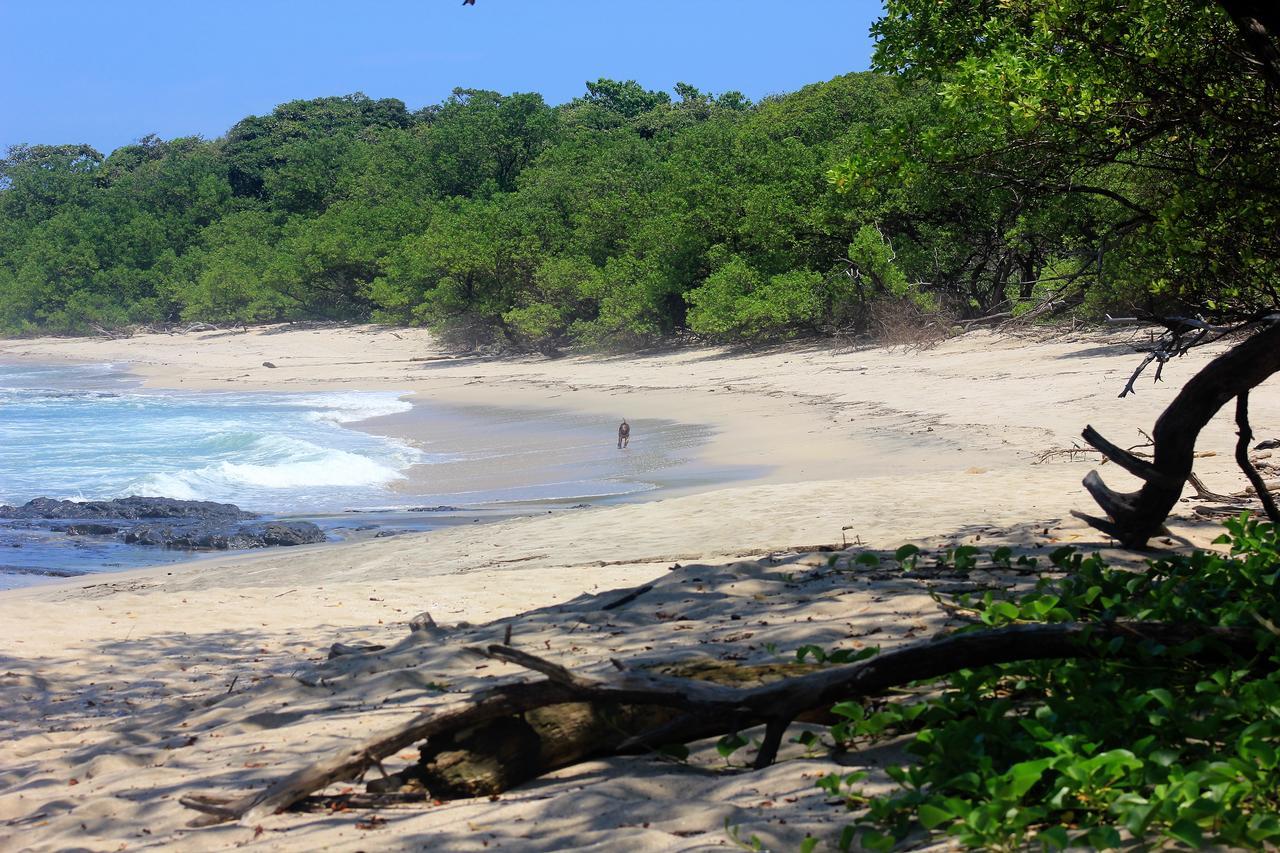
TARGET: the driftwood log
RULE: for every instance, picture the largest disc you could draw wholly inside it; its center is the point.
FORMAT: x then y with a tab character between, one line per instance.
703	708
1135	517
501	754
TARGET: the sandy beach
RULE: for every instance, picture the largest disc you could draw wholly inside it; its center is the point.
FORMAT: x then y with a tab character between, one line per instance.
122	693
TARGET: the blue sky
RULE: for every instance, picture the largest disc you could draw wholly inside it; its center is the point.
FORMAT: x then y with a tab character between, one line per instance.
108	73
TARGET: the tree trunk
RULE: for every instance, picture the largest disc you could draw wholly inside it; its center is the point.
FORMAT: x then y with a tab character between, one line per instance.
1137	516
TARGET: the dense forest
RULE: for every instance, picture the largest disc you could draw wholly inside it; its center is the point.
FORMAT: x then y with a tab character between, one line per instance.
619	218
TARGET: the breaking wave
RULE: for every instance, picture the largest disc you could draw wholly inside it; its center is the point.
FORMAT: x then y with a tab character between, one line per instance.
264	451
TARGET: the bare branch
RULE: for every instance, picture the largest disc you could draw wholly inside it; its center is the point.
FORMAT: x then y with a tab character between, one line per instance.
1242	458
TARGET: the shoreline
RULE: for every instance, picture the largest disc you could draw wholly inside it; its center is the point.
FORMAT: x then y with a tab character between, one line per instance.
869	448
494	460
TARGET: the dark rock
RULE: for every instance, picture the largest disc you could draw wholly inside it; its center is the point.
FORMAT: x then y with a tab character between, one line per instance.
204	537
162	523
37	570
130	508
90	529
441	508
267	364
281	533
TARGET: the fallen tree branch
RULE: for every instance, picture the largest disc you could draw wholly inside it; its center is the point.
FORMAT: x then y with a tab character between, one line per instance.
711	708
1228	511
1204	493
107	333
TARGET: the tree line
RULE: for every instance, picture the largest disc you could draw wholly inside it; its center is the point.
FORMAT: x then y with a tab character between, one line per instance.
622	217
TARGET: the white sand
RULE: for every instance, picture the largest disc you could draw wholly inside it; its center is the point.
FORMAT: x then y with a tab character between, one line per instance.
101	680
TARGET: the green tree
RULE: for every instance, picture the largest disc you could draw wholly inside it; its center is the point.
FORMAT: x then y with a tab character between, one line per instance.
479	141
738	302
628	100
256	144
228	274
39	180
1160	112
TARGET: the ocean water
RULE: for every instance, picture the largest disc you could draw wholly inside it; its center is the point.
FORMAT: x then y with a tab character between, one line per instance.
92	432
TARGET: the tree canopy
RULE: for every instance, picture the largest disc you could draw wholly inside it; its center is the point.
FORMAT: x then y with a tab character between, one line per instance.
1147	136
621	217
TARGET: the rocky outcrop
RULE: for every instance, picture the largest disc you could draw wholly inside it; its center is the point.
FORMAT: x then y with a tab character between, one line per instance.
91	529
164	523
205	537
127	509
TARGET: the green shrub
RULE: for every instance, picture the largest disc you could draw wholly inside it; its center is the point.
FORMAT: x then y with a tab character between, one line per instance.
736	301
1154	743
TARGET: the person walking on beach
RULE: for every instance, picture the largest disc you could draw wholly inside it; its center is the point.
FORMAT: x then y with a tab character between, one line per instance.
624	433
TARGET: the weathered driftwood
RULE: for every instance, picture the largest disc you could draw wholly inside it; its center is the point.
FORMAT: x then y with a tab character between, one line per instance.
497	756
1135	517
501	754
707	708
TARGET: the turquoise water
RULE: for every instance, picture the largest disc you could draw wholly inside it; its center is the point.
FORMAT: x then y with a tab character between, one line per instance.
91	432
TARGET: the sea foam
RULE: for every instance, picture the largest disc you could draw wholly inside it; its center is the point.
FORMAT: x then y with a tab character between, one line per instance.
265	451
293	464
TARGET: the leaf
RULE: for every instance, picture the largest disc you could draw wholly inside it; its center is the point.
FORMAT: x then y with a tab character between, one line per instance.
729	744
1054	838
1005	610
1137	817
1059	555
1188	832
872	840
830	783
853	655
810	650
1104	837
1024	775
849	710
931	816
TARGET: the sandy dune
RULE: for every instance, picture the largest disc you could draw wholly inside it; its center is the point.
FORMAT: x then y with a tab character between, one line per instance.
124	692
